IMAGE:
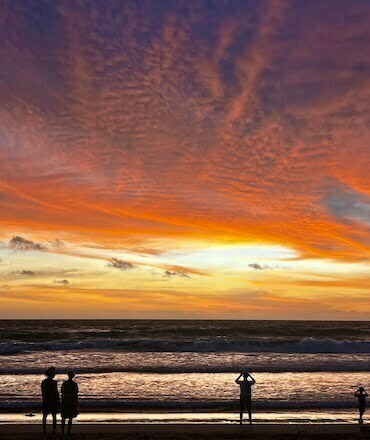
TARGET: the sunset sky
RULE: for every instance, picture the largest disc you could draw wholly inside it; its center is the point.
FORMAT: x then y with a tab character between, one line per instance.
185	159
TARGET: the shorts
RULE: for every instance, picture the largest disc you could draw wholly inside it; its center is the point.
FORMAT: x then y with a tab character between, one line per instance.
245	402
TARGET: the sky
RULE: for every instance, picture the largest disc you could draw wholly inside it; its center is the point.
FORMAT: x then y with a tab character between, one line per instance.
185	159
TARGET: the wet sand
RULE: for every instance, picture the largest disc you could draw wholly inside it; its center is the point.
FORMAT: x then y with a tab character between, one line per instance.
190	432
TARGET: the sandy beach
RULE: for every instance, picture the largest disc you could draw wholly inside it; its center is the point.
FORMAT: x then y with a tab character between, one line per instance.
187	432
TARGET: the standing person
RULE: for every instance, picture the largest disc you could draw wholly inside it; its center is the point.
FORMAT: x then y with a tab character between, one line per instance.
50	398
361	394
69	401
245	381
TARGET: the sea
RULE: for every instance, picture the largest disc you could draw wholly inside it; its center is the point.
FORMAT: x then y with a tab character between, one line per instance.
159	371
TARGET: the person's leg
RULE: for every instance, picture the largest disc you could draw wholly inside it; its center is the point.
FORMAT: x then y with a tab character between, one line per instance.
54	422
242	403
69	425
249	406
44	422
63	424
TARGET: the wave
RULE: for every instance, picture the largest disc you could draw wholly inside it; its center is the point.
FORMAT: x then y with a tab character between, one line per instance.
200	405
304	345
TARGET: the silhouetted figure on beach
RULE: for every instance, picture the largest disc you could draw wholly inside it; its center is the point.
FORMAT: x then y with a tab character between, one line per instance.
50	398
245	381
361	394
69	401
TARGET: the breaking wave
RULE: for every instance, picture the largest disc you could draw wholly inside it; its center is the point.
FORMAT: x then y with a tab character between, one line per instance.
304	345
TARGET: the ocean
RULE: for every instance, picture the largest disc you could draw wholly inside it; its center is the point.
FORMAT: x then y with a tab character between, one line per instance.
185	370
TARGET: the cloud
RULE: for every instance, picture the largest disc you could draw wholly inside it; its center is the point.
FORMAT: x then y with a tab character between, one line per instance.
258	266
19	243
56	244
63	282
159	133
24	272
120	264
254	112
170	274
346	204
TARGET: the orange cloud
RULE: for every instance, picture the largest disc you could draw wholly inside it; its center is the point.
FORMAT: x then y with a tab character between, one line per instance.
244	122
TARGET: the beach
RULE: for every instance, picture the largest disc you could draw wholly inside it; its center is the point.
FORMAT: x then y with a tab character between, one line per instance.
176	379
187	432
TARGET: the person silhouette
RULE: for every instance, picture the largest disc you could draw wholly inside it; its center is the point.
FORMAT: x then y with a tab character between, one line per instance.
69	408
361	394
50	398
245	381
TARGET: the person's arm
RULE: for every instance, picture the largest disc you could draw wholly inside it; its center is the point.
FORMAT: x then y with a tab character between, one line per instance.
253	381
238	381
43	389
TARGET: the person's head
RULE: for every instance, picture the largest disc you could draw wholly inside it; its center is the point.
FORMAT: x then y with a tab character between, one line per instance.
361	389
50	372
245	375
71	375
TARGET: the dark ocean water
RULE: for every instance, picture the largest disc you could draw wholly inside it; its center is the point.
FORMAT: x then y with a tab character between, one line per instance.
186	336
124	364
